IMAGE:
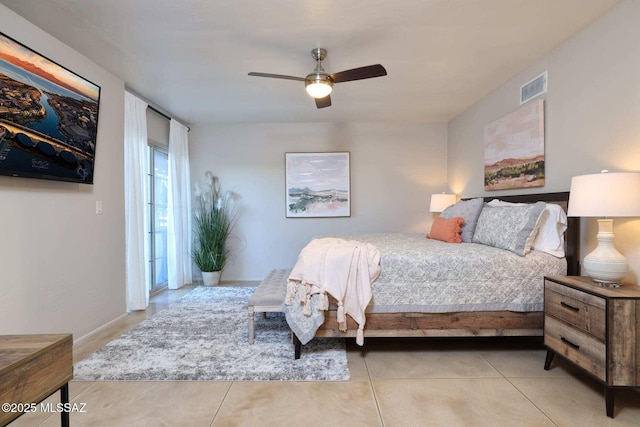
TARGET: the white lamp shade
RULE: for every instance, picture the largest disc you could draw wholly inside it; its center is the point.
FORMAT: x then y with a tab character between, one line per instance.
440	202
605	195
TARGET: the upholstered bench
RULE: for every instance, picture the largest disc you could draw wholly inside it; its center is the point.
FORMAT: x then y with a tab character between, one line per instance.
268	297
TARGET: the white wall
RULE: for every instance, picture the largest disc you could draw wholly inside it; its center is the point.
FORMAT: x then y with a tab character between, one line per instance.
394	170
592	118
62	267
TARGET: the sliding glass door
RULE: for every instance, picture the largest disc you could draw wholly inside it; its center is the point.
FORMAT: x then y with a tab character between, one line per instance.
158	211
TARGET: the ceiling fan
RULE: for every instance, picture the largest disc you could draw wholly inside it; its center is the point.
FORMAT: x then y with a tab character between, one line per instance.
319	83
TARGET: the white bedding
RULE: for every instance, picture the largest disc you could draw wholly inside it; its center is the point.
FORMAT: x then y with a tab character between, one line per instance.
429	276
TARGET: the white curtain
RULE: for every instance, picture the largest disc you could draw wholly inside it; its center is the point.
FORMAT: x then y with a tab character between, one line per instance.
136	175
179	229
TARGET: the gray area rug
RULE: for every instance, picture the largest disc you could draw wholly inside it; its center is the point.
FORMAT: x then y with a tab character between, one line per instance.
204	336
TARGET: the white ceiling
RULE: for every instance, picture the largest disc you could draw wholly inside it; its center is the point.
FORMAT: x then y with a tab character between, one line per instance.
191	57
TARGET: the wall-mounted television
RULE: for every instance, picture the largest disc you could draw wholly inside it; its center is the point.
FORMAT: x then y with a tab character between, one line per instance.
48	117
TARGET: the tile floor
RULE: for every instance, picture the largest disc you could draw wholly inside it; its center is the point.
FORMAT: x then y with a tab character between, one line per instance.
394	382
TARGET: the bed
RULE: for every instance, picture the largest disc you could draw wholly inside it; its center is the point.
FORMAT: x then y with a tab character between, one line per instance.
411	298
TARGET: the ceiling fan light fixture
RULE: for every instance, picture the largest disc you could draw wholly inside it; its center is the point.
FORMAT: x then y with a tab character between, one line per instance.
318	85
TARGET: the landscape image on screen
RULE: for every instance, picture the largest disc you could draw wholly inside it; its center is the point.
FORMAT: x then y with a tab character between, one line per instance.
48	117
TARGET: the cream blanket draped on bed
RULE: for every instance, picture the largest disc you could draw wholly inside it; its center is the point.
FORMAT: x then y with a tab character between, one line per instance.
344	269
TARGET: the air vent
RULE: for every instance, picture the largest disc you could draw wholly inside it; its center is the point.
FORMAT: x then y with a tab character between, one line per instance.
534	88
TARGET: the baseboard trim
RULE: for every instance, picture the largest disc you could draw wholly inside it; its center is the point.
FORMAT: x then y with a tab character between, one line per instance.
99	329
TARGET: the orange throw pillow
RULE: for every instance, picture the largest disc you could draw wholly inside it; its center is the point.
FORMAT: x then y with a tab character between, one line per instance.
447	230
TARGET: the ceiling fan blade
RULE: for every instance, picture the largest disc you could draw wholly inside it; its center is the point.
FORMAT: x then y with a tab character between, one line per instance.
277	76
323	102
367	72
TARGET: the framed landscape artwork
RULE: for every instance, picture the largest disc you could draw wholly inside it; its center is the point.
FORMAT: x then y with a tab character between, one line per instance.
48	117
317	185
514	149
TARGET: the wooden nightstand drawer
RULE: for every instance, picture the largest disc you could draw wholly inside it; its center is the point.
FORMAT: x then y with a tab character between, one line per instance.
582	310
577	346
595	327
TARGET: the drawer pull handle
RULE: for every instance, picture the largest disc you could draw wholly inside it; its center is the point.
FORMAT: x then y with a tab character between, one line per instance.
569	343
570	307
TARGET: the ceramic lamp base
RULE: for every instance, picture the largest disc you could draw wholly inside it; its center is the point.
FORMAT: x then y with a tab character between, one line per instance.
605	264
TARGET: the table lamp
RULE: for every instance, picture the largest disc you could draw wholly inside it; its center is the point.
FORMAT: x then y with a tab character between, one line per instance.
605	195
440	202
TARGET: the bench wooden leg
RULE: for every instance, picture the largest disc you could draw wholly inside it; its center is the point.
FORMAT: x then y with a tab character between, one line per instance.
251	326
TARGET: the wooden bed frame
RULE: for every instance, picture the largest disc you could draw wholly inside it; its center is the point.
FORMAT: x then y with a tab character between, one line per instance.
463	324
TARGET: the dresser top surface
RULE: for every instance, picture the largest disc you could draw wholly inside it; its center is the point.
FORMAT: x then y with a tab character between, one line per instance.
22	348
585	283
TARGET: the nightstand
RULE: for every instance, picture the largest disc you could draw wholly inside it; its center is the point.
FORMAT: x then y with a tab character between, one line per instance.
596	328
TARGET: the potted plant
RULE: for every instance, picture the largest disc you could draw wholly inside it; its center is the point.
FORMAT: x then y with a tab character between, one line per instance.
214	219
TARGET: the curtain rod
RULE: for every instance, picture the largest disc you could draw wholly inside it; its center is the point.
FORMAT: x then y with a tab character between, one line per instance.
158	111
154	109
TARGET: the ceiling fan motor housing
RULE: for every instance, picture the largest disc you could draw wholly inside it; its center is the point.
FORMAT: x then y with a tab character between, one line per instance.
318	77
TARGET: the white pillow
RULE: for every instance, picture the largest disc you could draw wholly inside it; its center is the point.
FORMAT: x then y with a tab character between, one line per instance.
553	224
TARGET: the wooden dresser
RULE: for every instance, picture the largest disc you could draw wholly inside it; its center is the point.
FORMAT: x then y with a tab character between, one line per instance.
596	328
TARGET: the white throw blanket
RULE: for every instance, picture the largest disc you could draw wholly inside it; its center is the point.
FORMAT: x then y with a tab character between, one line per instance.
344	269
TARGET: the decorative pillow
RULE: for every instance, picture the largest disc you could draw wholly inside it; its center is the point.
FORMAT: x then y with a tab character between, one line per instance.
447	230
553	224
509	227
469	210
